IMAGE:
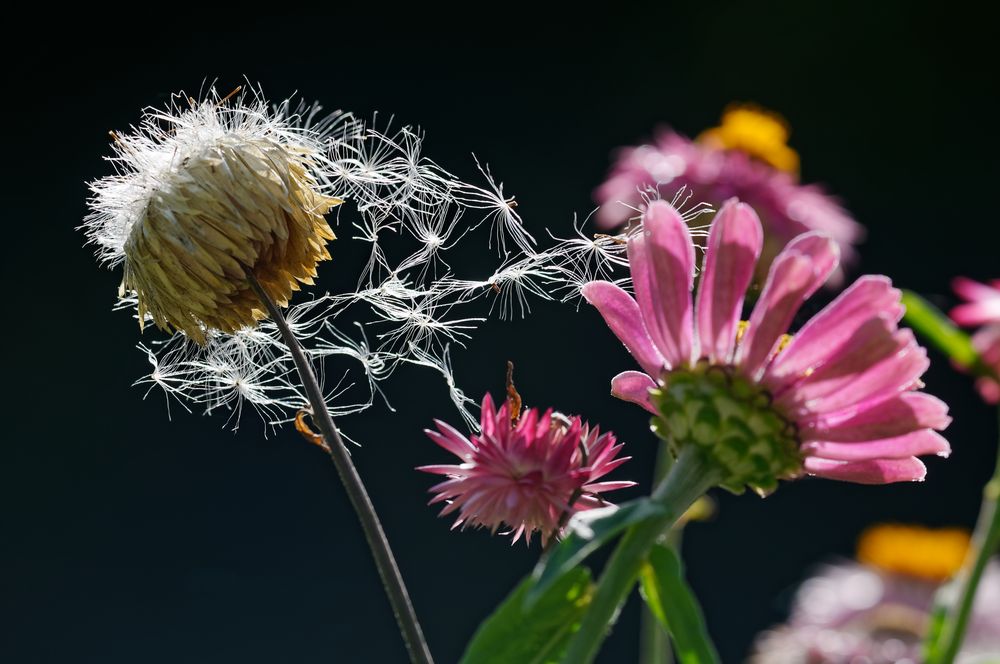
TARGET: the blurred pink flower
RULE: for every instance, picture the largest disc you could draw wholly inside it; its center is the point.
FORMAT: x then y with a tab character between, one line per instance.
838	400
850	612
982	308
712	174
529	475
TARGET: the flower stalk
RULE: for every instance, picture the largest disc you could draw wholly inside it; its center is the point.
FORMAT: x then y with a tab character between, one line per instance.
388	570
654	641
689	478
985	542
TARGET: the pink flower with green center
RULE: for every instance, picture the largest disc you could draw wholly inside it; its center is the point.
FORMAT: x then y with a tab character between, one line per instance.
527	475
982	308
839	400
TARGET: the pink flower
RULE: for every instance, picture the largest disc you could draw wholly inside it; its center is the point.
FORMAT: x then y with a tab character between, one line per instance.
849	612
982	308
837	400
529	475
713	175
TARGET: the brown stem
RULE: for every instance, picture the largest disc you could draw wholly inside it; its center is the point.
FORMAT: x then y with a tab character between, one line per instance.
392	580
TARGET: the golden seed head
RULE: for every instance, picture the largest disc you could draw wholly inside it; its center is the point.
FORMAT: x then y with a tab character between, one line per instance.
236	208
924	553
210	193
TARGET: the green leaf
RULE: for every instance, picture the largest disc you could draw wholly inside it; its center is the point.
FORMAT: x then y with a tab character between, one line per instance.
938	329
584	538
674	605
536	634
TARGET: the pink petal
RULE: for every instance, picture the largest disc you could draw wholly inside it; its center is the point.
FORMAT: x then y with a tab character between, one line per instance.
917	443
661	258
784	292
872	342
634	386
734	245
621	313
441	469
897	416
977	313
876	471
881	381
799	270
866	298
823	251
973	290
450	439
602	487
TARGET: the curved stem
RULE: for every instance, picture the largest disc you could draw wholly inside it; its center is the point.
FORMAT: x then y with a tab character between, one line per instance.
985	541
654	641
687	481
392	580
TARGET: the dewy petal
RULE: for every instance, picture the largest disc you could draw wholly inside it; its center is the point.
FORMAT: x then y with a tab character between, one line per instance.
634	386
900	415
661	258
867	298
734	245
917	443
621	313
875	471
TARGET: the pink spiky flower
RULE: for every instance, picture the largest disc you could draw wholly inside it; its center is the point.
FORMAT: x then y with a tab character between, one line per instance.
982	308
527	475
745	157
837	400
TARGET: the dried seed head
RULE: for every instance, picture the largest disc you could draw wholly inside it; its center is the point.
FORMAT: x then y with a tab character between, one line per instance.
238	208
220	194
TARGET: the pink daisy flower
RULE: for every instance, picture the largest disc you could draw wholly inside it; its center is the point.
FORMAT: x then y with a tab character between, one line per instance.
837	400
982	308
527	475
741	158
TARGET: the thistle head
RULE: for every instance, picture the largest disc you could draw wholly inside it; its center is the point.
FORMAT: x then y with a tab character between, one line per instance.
207	195
526	474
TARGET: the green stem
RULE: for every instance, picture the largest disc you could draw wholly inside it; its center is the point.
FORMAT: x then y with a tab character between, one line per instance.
654	641
688	480
385	563
985	541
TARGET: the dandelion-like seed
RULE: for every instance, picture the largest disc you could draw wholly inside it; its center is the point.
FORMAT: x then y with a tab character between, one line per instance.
839	400
528	475
207	195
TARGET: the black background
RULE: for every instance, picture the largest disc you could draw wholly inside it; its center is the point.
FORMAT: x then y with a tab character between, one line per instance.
125	537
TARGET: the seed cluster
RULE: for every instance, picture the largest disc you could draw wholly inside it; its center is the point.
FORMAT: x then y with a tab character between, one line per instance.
732	421
238	208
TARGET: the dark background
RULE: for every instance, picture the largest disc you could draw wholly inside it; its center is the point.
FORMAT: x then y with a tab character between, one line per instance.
125	537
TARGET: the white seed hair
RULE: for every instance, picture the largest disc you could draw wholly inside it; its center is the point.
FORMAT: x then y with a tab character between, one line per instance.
409	309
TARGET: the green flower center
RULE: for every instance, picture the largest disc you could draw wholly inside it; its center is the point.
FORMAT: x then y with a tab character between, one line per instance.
732	421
